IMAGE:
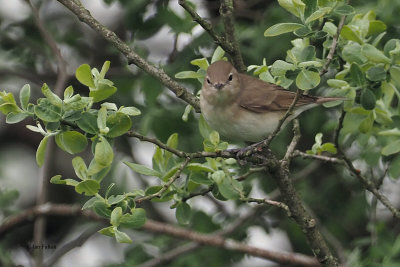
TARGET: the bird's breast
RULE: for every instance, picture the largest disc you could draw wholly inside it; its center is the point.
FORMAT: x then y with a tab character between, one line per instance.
239	124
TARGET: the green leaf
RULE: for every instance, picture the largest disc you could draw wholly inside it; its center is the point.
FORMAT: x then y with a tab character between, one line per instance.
109	106
344	10
71	142
200	178
88	123
202	63
90	203
185	115
230	189
104	69
366	124
394	168
46	111
118	124
112	200
395	75
352	53
12	117
57	180
116	215
102	118
84	75
307	79
121	237
368	99
296	7
142	169
376	27
198	167
172	142
335	83
80	168
280	67
330	28
204	128
214	138
53	98
108	231
374	54
376	73
356	74
130	111
88	187
218	54
68	92
350	34
135	220
103	154
101	208
281	28
41	151
392	148
183	213
103	91
188	75
218	176
24	96
318	14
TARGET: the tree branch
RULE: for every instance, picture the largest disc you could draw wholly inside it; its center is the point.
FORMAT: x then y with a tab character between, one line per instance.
326	159
207	27
158	227
133	58
226	11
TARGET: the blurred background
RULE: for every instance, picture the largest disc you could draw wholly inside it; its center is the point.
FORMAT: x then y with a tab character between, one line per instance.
161	32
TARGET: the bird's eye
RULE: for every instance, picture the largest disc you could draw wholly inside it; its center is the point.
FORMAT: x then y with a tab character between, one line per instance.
230	77
208	81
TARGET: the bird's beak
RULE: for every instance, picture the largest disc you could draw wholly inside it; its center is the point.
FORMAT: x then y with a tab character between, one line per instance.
219	86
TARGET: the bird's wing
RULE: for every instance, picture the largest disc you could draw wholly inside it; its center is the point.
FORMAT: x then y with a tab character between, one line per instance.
259	96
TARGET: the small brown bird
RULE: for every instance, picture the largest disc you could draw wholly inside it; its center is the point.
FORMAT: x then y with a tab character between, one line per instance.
244	108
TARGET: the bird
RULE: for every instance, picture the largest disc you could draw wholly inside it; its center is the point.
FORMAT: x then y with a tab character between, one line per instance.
244	108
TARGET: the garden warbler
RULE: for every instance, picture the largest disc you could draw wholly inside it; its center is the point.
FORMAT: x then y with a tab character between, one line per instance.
244	108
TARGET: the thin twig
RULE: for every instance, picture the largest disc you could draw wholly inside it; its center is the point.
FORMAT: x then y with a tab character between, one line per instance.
326	159
332	50
294	142
166	186
269	202
133	58
207	27
227	13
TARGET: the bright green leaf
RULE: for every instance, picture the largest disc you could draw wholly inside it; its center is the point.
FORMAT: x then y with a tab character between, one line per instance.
318	14
121	237
41	151
108	231
281	28
57	180
392	148
52	97
349	33
104	90
72	142
296	7
24	96
202	63
344	10
307	79
104	69
188	75
103	154
88	187
80	168
376	27
130	111
374	54
280	67
12	117
142	169
88	123
47	111
118	124
84	75
218	54
135	220
116	215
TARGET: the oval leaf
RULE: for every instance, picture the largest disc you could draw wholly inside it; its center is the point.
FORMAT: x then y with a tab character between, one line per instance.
307	79
84	75
183	213
88	187
103	153
71	142
142	169
281	28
